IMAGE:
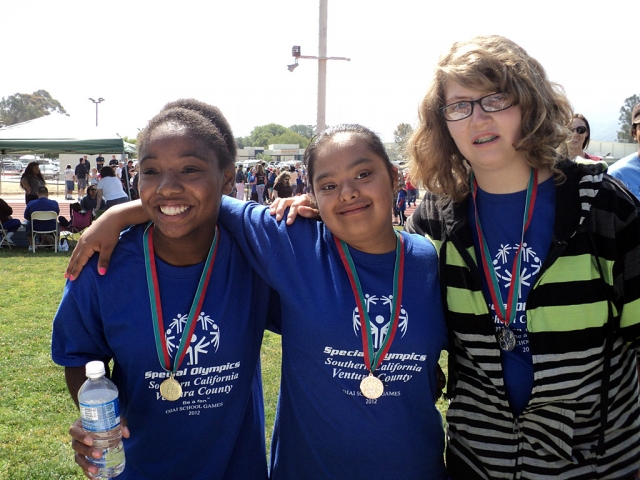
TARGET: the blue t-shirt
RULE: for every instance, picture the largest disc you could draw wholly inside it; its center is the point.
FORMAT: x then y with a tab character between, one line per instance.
401	204
324	427
42	204
216	429
627	170
501	217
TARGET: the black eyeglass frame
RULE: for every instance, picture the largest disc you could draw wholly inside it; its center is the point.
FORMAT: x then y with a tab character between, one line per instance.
577	130
479	102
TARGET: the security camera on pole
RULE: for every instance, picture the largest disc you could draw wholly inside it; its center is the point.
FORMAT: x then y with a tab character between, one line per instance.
322	65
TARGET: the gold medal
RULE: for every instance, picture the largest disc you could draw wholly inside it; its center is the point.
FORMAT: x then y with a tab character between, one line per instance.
371	387
170	389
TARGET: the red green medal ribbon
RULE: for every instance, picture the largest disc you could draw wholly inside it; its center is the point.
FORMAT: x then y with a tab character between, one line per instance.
156	306
373	359
505	315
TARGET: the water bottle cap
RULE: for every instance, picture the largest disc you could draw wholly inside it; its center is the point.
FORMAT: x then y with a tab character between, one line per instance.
95	369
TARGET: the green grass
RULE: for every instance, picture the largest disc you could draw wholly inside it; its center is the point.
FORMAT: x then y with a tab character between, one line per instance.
35	408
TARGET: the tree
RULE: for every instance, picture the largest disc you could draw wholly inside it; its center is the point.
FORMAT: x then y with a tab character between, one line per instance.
133	140
240	142
401	134
290	137
273	133
23	106
306	131
261	136
624	120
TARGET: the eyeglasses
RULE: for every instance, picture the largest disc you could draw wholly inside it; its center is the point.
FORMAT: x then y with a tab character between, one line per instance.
579	130
494	102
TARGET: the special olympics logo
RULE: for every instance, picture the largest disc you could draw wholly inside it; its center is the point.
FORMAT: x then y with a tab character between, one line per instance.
529	266
380	323
210	336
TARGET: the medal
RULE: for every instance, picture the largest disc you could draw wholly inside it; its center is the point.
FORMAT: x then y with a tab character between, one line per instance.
506	339
170	389
371	387
505	313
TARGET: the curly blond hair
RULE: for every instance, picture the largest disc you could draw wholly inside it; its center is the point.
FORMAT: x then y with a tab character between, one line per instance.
487	64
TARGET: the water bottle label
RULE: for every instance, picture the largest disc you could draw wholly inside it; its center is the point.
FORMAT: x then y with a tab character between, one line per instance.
99	418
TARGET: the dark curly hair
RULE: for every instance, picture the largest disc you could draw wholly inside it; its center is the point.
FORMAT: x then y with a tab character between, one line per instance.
203	122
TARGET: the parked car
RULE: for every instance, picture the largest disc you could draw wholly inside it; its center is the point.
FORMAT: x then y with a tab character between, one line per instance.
12	167
49	172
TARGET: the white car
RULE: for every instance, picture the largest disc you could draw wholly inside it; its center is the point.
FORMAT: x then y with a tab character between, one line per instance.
12	167
50	172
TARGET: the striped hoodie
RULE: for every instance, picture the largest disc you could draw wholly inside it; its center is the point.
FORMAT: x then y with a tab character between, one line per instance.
584	333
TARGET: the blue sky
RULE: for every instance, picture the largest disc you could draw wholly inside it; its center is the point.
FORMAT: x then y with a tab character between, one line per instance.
139	55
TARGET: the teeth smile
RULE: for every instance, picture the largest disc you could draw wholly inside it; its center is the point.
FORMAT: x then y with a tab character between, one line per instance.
173	209
486	139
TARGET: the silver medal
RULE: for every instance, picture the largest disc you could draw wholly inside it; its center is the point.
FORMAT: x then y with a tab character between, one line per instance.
506	339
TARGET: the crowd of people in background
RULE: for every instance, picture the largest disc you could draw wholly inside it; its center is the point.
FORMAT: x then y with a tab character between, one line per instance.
263	183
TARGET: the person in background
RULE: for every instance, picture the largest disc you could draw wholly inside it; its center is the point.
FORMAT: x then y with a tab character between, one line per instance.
41	204
261	180
627	169
240	180
135	191
253	185
282	187
10	224
300	179
87	163
99	162
540	269
113	163
110	189
81	174
271	181
578	141
69	180
402	205
89	202
126	175
412	193
94	177
30	181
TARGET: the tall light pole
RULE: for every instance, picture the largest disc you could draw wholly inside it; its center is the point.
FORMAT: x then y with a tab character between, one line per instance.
97	102
322	65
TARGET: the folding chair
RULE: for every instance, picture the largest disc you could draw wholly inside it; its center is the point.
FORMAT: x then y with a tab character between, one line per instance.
5	240
35	228
79	220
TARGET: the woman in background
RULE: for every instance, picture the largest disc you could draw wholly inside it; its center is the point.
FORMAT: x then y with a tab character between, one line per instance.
110	189
30	181
282	187
578	141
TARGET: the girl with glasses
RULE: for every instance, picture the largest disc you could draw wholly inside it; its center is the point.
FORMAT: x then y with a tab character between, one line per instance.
540	269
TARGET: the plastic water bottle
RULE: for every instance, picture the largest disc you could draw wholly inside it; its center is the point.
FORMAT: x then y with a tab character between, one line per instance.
100	412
